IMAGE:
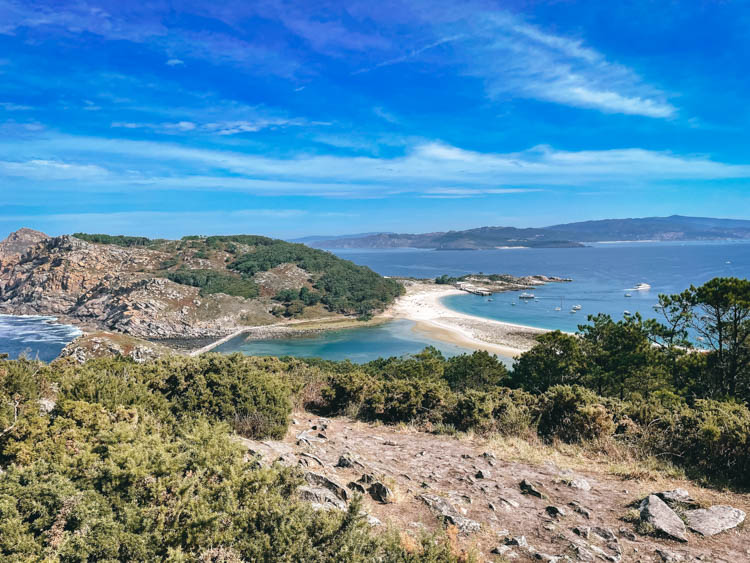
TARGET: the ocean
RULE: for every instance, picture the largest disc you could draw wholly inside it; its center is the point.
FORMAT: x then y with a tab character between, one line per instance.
602	274
34	336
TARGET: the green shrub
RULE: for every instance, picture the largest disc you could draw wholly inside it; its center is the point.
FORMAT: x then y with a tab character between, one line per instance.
474	410
226	388
211	281
479	370
572	414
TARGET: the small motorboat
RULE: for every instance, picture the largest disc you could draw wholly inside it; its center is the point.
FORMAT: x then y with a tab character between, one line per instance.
642	287
526	296
628	295
577	308
490	299
626	313
558	308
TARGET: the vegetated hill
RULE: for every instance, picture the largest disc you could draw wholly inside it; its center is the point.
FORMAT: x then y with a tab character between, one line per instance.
197	287
676	228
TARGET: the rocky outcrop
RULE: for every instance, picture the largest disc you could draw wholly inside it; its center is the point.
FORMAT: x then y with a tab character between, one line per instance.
108	344
434	484
714	520
445	510
19	242
655	512
114	288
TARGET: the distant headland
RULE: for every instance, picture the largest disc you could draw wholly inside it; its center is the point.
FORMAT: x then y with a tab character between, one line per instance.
570	235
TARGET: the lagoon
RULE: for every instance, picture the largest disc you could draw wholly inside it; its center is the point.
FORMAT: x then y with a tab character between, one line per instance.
360	345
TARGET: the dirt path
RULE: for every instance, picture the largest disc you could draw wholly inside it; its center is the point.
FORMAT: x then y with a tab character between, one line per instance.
480	480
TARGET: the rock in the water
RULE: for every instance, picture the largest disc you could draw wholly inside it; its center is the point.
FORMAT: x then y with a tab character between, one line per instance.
655	511
533	489
450	514
318	480
714	520
381	493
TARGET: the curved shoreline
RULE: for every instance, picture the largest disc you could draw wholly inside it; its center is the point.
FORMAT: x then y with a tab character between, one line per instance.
423	305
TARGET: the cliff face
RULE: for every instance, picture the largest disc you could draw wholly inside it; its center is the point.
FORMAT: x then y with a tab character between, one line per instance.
19	242
113	288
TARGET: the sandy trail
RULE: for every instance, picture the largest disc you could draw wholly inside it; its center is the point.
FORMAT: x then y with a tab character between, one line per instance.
423	305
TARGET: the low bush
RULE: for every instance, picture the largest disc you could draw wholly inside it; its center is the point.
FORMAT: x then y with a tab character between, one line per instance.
211	281
572	414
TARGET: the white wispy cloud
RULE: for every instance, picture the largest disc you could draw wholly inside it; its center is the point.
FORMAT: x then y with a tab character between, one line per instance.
516	58
38	169
431	168
174	62
233	127
9	106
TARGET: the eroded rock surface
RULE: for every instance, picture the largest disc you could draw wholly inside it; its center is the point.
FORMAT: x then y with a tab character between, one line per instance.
714	520
434	484
655	512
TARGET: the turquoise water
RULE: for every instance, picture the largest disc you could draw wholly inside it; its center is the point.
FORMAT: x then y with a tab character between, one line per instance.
396	338
601	273
35	337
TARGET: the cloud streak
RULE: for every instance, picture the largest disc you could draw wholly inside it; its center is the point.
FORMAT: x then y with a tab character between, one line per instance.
430	168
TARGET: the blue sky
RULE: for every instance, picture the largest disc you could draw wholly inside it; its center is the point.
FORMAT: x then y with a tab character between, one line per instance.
295	118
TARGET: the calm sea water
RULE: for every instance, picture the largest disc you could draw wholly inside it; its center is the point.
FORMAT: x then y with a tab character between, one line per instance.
396	338
602	274
35	337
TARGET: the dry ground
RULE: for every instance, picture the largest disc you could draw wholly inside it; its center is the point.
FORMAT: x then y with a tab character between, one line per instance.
412	463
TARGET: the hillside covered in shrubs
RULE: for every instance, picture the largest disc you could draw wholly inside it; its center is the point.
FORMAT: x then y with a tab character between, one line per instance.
114	460
340	285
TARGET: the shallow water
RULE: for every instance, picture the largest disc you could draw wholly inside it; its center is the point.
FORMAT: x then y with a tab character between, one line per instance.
395	338
34	336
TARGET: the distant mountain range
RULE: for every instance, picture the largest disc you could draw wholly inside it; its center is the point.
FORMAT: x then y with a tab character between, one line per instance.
570	235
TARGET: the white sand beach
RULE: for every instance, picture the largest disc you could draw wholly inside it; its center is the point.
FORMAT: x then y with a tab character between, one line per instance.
422	304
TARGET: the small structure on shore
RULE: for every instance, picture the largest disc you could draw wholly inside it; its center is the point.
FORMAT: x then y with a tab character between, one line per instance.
469	288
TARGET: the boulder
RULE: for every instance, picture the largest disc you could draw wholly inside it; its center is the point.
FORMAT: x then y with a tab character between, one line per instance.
555	511
356	487
655	511
321	498
577	507
381	493
714	520
450	514
483	474
579	483
677	497
533	489
318	480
